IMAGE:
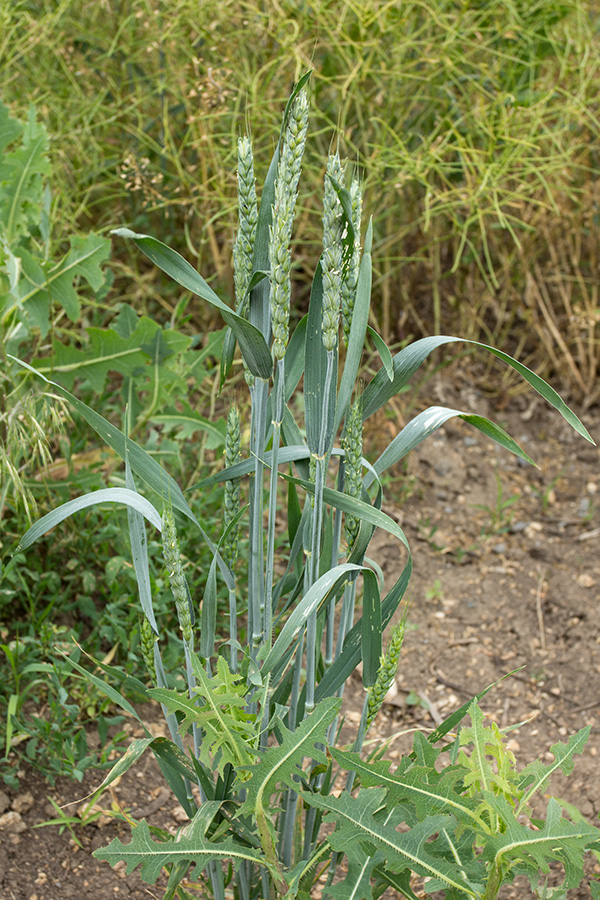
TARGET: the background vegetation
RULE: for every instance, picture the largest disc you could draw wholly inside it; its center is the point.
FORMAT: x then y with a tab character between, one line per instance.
474	127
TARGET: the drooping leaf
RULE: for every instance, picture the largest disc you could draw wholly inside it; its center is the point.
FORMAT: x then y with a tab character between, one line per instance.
142	464
425	424
252	343
408	360
107	495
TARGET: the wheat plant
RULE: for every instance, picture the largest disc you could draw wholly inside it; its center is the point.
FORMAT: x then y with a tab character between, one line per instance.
252	752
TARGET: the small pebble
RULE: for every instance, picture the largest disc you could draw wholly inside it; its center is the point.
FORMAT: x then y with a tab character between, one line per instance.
470	442
22	803
12	822
499	548
584	507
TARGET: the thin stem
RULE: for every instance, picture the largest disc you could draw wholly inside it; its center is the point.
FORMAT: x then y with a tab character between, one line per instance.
320	477
256	582
233	629
277	420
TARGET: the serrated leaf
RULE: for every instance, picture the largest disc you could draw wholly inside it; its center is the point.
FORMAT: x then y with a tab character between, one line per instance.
429	791
356	822
356	884
229	730
151	855
22	173
10	128
558	840
107	351
536	775
282	765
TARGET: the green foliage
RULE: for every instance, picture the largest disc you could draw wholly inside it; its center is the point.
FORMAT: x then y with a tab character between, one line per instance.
481	795
259	712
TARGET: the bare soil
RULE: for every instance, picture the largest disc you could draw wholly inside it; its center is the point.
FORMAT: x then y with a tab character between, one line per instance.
507	576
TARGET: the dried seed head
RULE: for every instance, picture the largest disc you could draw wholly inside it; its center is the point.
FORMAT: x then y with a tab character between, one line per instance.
387	672
331	262
286	188
350	275
177	580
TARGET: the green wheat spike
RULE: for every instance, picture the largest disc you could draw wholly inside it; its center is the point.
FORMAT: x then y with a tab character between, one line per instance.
387	672
177	580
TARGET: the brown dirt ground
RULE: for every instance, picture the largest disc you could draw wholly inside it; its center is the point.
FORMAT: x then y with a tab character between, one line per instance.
497	587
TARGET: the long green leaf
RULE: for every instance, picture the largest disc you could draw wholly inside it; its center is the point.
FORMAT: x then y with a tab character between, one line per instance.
142	464
252	343
315	368
312	600
408	360
354	507
139	553
349	658
108	495
371	632
425	424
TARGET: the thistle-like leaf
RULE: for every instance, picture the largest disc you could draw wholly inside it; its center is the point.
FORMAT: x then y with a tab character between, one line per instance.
427	790
356	822
147	347
559	840
190	845
282	766
536	775
22	174
229	731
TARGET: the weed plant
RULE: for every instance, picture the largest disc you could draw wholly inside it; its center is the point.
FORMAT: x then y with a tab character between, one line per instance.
474	125
281	803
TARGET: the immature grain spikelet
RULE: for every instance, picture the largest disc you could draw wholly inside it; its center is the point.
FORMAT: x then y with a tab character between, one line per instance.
232	488
331	261
286	187
147	640
350	276
353	446
175	571
243	249
387	672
